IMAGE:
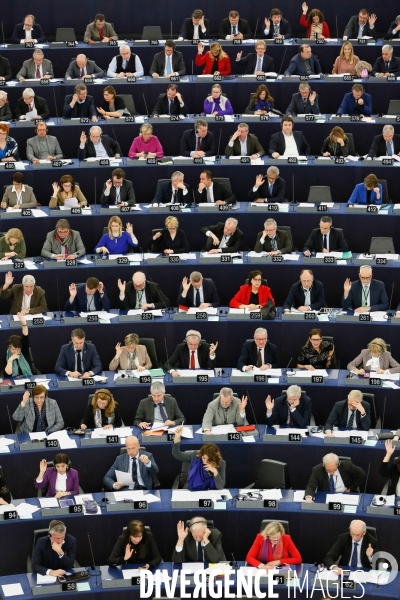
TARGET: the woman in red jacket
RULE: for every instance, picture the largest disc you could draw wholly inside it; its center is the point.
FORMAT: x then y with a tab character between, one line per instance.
215	62
273	547
252	295
315	23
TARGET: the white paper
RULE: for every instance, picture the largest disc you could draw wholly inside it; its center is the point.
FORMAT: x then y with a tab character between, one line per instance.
347	433
220	429
391	376
351	499
102	314
187	432
31	317
12	589
6	442
291	256
79	498
306	373
128	573
40	579
210	310
156	312
288	430
192	567
192	372
323	254
58	435
131	494
31	115
370	576
328	574
48	502
6	507
390	500
123	477
273	494
39	435
186	495
25	509
232	254
298	495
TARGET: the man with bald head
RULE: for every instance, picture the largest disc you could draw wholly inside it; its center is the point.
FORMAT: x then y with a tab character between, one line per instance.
140	464
140	293
334	476
82	67
353	549
127	64
99	145
352	413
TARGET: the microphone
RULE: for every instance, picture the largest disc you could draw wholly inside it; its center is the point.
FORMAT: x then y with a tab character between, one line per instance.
166	352
145	105
255	32
252	410
389	312
192	72
293	202
365	488
95	195
112	128
159	294
235	562
2	31
58	302
286	371
383	413
337	29
93	566
16	443
219	141
141	249
280	68
55	101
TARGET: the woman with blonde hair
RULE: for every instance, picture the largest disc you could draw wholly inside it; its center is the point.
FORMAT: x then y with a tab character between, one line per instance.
336	144
117	241
146	145
102	411
171	239
346	61
273	547
374	358
215	61
66	188
12	244
132	356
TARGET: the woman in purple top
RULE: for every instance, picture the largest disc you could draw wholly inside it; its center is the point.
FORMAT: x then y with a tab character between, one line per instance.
116	241
217	104
61	479
146	144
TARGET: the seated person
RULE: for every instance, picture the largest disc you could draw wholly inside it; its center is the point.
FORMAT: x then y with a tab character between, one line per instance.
63	242
158	407
12	244
387	64
38	412
99	145
293	408
64	190
5	75
118	190
268	188
261	353
170	103
346	61
133	356
325	238
61	479
374	358
78	359
273	240
306	294
212	191
169	62
223	237
28	31
86	297
369	192
197	142
103	411
54	554
27	297
385	144
389	469
261	102
99	31
253	294
30	102
8	145
273	547
170	240
336	144
191	354
174	191
117	241
140	293
79	105
304	63
82	67
394	30
146	144
5	110
276	26
215	60
356	102
5	494
334	476
42	146
257	63
37	67
224	410
244	143
361	25
206	466
304	101
17	361
126	64
288	142
113	106
353	413
195	27
217	103
345	549
198	291
18	195
198	543
317	27
135	461
317	352
135	545
365	295
234	28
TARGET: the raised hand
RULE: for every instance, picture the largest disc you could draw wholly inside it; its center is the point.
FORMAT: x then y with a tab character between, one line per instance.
213	348
269	403
390	448
182	530
43	466
259	181
372	19
56	188
200	48
108	184
369	551
186	284
72	290
267	23
83	138
128	552
121	286
242	405
239	55
347	287
8	280
304	7
118	350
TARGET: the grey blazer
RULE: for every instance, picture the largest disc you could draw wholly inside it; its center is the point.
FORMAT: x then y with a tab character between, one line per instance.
386	361
215	414
28	197
26	416
74	72
145	410
53	246
33	148
190	455
28	69
122	361
92	33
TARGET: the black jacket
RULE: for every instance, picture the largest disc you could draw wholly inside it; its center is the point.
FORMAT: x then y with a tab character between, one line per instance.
126	194
111	147
145	410
336	241
296	296
284	29
187	30
162	106
220	192
86	110
278	191
218	230
180	359
351	29
88	417
209	292
180	244
164	193
249	355
339	417
390	470
213	551
250	60
378	147
5	68
188	143
242	27
158	64
389	35
19	34
380	67
152	556
282	239
352	476
296	106
40	105
5	112
300	416
153	296
277	143
45	558
342	549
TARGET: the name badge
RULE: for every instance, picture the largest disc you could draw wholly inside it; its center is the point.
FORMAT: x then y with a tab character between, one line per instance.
151	161
112	43
245	160
26	212
309	118
44	81
339	160
56	164
174	78
76	210
264	117
131	79
292	160
220	117
260	77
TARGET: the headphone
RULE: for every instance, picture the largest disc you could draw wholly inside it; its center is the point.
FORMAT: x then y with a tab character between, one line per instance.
69	464
379	501
203	522
104	392
195	334
53	524
249	496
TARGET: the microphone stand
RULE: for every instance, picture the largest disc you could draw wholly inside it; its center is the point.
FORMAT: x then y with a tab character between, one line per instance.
363	508
96	572
13	433
168	377
252	410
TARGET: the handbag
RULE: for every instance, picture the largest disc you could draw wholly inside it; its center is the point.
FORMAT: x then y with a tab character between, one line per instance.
91	507
268	311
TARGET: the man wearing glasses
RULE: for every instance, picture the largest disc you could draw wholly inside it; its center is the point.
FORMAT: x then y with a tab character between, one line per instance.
273	240
270	188
365	295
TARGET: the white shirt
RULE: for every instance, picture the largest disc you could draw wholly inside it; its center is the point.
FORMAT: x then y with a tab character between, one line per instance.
28	35
263	362
100	150
339	485
210	193
203	543
373	363
290	146
243	146
26	301
19	194
184	193
61	482
196	360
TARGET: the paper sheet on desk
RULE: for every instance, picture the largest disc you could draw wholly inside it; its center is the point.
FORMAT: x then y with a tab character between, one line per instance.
4	441
388	256
186	495
48	502
186	432
136	495
58	435
186	256
347	433
30	317
305	373
6	507
372	576
84	261
323	254
102	314
288	430
273	494
298	495
242	311
191	372
210	310
390	500
351	499
12	589
29	264
24	509
156	312
303	158
220	429
387	376
41	579
258	371
390	384
99	432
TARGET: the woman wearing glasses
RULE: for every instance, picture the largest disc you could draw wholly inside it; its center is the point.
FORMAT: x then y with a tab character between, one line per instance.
317	353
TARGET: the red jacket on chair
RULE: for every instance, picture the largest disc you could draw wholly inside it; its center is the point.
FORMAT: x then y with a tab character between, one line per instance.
291	555
224	64
243	296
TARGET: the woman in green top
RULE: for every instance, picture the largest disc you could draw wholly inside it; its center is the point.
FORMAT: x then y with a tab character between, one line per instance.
12	245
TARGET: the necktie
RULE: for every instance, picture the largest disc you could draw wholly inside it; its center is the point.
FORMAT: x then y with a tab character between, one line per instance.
208	195
82	72
175	198
134	471
198	147
388	149
79	361
386	65
234	29
290	419
117	195
331	483
274	245
139	295
37	72
197	300
199	552
259	64
164	415
271	186
304	102
259	358
325	244
349	425
192	363
225	416
365	296
276	29
354	560
169	68
31	107
170	106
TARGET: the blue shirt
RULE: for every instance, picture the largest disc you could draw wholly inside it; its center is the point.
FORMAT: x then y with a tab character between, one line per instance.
119	245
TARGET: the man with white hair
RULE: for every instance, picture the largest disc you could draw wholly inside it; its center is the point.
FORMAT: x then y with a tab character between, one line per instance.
159	407
387	64
193	353
225	409
198	543
353	549
30	102
99	145
292	408
198	291
385	144
82	67
27	297
127	64
259	353
140	293
365	295
37	67
5	110
353	413
222	237
175	190
334	476
54	554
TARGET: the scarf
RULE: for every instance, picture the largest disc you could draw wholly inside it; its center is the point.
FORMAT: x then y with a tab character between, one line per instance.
98	420
41	421
63	242
269	552
219	102
22	363
198	478
262	105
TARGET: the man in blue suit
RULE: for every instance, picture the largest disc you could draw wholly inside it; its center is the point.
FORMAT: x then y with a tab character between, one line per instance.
365	295
260	353
79	105
78	359
293	408
175	191
87	297
198	291
28	31
140	465
54	554
356	102
304	63
306	294
198	142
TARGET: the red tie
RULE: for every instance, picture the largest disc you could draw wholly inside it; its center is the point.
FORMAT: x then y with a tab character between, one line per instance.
192	363
37	72
101	34
198	144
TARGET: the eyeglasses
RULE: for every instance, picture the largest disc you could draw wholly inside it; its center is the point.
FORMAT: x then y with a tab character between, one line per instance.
366	278
258	279
316	339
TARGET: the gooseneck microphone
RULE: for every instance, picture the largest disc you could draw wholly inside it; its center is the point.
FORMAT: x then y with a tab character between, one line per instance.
145	105
166	352
252	410
16	443
255	38
219	141
365	489
235	562
58	302
96	572
389	312
284	54
167	310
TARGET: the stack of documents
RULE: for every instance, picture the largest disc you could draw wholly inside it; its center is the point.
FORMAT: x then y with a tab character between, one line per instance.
274	494
186	496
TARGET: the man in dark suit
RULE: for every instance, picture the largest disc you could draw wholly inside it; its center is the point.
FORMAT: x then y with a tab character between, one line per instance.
175	191
87	297
365	295
360	25
193	353
243	143
140	293
306	294
198	142
334	475
82	67
198	541
268	189
353	549
222	237
138	463
159	407
385	144
78	359
304	102
29	102
212	191
168	62
356	102
281	142
118	191
28	31
198	291
325	238
394	30
260	353
353	413
279	27
99	145
54	554
79	104
387	64
5	110
5	69
257	63
293	408
304	63
195	27
273	240
36	67
170	103
234	28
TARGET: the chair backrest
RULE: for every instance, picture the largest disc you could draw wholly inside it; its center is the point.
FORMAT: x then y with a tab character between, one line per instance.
272	474
389	347
151	350
152	32
210	522
319	193
225	181
288	230
105	230
65	34
372	531
394	107
385	191
160	181
1	471
370	398
38	533
352	148
216	394
264	281
344	457
285	524
381	245
129	103
147	528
